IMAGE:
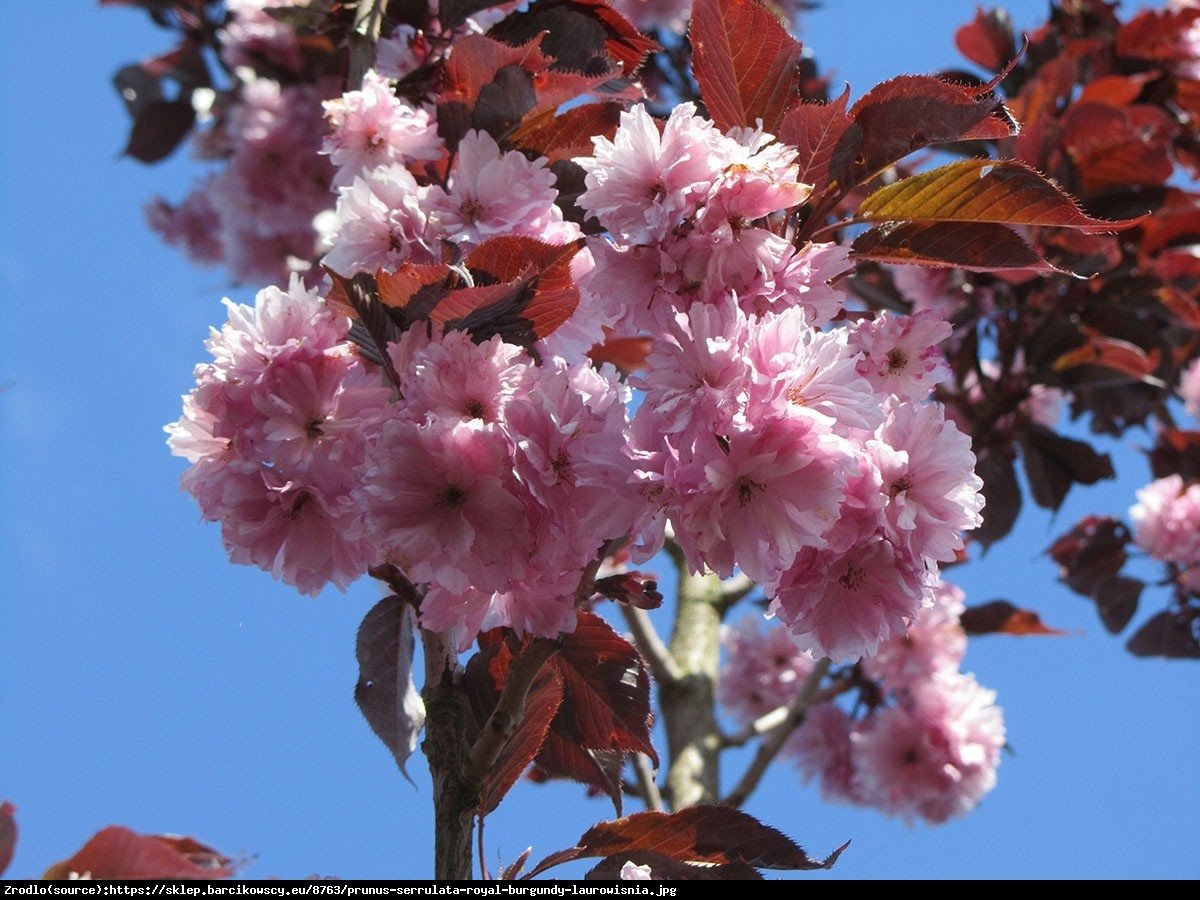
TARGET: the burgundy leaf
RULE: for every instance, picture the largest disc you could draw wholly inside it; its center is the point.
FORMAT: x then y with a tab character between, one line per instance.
913	111
1159	36
1053	463
1117	601
745	62
826	138
477	60
626	353
8	834
566	136
981	190
552	295
1176	452
1167	634
1113	146
385	692
700	834
988	40
1091	553
561	757
581	34
118	853
541	706
1002	493
975	246
636	588
664	868
1001	617
1110	353
159	127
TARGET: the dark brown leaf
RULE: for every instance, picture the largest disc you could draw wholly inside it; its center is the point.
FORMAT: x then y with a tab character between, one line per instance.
566	136
385	693
1117	601
1113	354
1002	493
663	868
118	853
581	34
980	190
745	62
1053	463
1091	553
8	834
1176	452
977	247
700	834
159	127
1167	634
1001	617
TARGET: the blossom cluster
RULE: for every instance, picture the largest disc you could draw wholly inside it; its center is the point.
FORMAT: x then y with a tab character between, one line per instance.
804	452
925	747
1166	524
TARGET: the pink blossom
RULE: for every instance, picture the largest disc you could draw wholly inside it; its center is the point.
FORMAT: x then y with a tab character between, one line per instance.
801	277
402	52
441	503
453	377
493	193
822	747
763	670
935	756
1189	382
371	127
382	223
1166	520
633	872
642	184
193	226
252	35
756	499
845	605
928	473
899	354
934	643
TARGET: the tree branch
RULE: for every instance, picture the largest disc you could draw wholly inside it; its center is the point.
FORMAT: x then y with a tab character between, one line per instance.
647	786
368	22
770	747
760	726
509	711
654	651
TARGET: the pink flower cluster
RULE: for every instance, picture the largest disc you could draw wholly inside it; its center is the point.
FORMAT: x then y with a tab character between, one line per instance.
256	213
807	456
275	432
929	752
1166	524
1189	388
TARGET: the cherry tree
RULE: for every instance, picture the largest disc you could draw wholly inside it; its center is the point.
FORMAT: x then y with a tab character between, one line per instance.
567	292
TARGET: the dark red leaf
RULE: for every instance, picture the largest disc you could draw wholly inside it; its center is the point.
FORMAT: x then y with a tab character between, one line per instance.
663	868
1176	452
981	190
1167	634
397	289
477	60
550	296
118	853
1091	553
562	758
1037	109
1001	617
1117	601
718	835
978	247
745	62
376	325
607	703
581	34
626	353
8	834
988	40
1159	36
1183	307
159	127
385	693
1115	146
826	138
1115	90
185	63
913	111
1003	495
637	588
1053	463
511	871
541	706
1111	353
568	135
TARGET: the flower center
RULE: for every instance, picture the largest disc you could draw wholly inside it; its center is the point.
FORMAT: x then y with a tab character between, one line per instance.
899	486
746	489
897	361
452	497
853	578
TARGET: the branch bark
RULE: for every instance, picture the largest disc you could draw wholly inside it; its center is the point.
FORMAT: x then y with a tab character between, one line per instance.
654	651
773	743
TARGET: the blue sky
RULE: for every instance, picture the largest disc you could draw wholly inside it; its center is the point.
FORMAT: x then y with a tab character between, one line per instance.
146	681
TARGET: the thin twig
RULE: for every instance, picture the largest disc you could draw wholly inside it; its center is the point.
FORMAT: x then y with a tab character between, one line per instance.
654	651
647	786
510	709
760	726
734	589
770	747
